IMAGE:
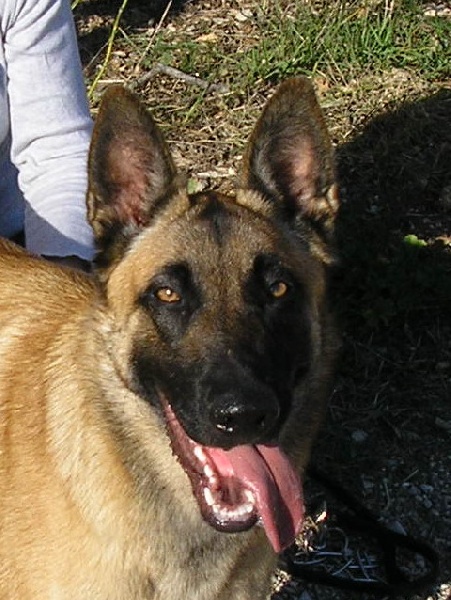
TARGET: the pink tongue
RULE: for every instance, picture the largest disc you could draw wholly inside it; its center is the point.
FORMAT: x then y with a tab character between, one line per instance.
268	473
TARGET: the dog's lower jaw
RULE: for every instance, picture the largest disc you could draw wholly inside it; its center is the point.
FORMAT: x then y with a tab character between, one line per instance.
236	488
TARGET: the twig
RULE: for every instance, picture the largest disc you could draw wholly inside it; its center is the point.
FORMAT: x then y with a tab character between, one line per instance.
213	174
155	32
177	74
389	9
109	48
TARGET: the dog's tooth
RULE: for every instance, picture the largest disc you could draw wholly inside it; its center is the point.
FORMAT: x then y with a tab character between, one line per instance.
213	483
236	513
208	471
249	497
221	512
225	515
199	454
209	499
242	512
211	476
246	509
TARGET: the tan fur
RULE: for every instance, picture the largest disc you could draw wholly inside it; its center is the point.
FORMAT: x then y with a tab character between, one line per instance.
93	503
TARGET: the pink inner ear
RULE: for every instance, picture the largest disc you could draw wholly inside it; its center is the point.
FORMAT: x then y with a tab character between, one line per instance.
128	175
304	170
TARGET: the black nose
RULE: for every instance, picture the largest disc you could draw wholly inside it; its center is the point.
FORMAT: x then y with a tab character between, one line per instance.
244	418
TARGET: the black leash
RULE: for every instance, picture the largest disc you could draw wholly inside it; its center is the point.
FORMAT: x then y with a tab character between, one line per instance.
357	518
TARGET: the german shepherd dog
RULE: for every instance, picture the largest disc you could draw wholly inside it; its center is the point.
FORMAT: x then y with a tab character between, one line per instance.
156	416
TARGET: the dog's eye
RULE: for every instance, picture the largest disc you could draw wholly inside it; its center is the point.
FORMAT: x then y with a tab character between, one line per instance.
167	294
278	289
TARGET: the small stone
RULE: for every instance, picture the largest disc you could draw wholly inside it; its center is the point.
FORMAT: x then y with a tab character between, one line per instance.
359	436
396	526
413	491
424	487
368	485
242	15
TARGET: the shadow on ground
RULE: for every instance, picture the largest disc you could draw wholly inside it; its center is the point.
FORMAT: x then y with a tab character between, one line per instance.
388	434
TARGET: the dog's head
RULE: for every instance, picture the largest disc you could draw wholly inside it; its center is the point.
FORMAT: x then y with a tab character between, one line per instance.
219	300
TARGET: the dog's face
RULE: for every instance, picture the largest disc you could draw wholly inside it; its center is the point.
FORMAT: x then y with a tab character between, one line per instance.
219	300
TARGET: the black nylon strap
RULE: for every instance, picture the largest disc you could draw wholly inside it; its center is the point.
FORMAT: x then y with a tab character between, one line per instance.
359	518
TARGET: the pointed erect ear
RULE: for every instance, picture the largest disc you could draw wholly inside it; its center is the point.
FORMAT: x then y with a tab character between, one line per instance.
130	169
289	158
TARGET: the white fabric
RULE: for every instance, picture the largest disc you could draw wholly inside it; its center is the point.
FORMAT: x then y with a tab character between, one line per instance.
45	128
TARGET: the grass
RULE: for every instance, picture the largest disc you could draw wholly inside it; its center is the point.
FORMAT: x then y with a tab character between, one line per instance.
274	40
347	41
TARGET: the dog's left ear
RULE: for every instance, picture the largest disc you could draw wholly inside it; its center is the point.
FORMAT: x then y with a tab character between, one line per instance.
289	160
130	170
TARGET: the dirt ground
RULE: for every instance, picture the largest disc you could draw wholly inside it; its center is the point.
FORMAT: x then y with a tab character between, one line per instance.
387	435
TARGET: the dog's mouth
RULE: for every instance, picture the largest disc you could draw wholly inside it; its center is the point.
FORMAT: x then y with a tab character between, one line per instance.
237	488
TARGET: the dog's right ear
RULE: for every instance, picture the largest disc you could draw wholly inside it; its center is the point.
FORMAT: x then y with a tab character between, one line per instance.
130	171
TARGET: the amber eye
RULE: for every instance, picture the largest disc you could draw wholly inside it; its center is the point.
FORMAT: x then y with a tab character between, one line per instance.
167	294
278	289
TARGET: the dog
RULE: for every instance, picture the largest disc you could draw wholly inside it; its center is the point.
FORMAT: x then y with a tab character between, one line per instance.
156	416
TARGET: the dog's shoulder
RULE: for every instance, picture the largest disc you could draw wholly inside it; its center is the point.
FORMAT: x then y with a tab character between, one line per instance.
33	281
